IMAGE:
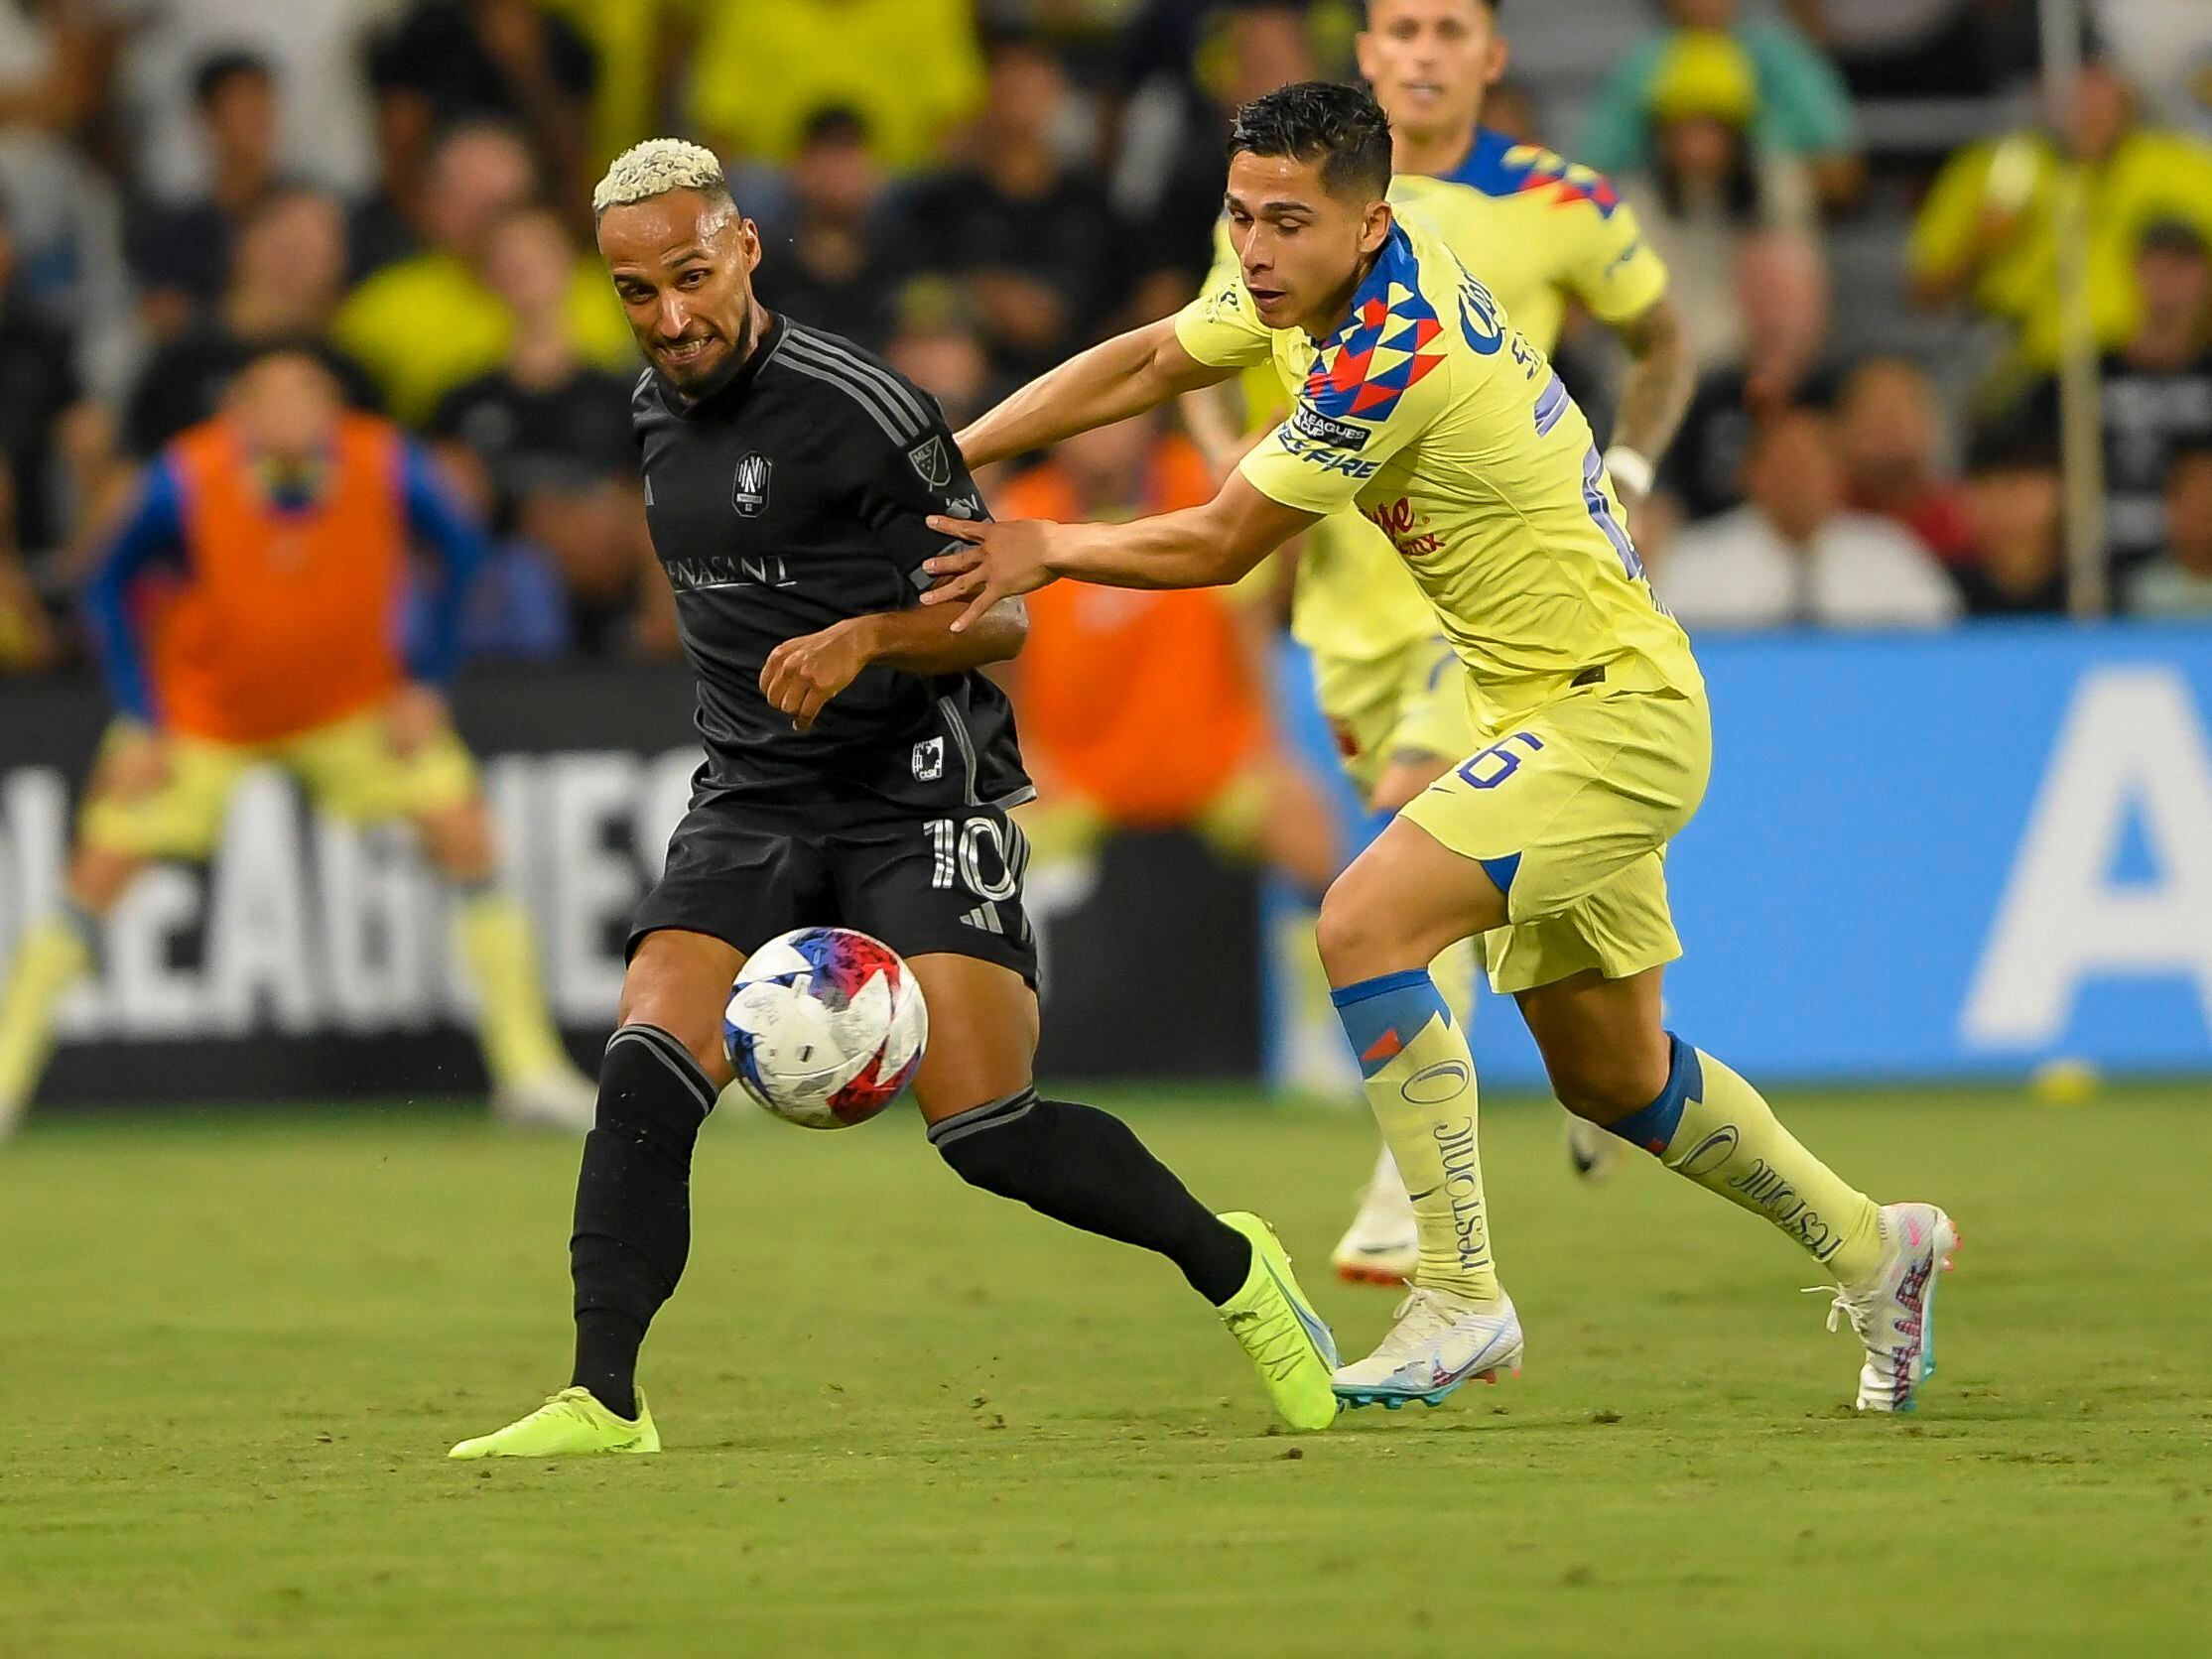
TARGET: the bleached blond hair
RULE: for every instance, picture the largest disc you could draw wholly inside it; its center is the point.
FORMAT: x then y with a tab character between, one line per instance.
655	167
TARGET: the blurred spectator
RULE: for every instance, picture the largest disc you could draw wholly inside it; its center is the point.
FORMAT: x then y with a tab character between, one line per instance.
37	387
1185	739
2165	48
829	264
181	251
2015	498
636	43
912	69
1988	228
1892	434
455	60
284	285
1925	49
2180	583
26	635
62	215
1190	66
1032	239
1794	555
427	323
542	444
1800	107
936	347
315	51
1781	300
1709	188
2157	392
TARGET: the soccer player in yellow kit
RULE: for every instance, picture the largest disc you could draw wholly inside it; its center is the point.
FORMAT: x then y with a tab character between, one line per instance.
1421	404
1543	233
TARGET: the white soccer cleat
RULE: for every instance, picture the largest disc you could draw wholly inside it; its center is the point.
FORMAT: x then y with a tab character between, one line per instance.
1382	1245
1893	1310
1592	1149
1440	1340
563	1098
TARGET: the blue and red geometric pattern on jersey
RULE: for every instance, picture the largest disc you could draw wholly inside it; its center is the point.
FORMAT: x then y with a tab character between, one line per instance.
1387	346
1499	166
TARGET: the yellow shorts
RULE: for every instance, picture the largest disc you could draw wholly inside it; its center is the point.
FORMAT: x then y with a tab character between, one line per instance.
348	767
1409	704
1569	809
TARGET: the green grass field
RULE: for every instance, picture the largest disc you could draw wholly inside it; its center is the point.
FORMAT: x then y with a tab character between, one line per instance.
904	1418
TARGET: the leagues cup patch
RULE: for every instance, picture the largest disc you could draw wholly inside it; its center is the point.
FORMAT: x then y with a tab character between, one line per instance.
933	461
748	490
1337	435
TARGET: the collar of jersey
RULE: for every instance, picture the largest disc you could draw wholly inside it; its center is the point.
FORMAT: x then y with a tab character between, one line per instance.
1482	168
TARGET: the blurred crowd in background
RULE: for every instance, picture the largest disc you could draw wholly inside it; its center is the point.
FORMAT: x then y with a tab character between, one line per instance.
1856	198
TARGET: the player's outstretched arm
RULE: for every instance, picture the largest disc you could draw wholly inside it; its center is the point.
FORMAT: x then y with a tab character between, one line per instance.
1117	378
802	675
1199	546
1662	377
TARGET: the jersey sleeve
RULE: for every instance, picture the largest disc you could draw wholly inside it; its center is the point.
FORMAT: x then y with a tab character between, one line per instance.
1615	270
1321	458
1220	327
151	535
905	485
438	519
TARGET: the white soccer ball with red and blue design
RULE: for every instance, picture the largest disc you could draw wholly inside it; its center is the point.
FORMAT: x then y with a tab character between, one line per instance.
825	1026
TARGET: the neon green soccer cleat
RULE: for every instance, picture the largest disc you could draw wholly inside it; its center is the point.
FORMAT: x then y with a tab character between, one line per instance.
1288	1342
572	1424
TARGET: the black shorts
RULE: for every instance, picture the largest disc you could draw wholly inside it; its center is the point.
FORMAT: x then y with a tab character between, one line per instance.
744	872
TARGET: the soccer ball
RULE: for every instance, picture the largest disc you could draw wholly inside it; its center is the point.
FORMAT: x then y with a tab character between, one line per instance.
825	1026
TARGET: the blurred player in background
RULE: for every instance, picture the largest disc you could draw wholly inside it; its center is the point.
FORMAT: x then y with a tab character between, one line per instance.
1185	737
1542	233
1422	405
248	611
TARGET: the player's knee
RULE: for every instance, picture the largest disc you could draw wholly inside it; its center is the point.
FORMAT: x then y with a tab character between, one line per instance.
680	992
460	842
99	877
1351	933
1606	1082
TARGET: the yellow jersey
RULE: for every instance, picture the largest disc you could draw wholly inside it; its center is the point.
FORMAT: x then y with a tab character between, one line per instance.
1542	230
1450	431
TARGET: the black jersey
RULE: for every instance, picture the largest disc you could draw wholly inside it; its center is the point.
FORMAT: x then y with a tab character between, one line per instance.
791	497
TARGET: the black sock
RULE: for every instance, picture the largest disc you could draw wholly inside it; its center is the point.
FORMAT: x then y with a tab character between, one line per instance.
1081	1166
633	1204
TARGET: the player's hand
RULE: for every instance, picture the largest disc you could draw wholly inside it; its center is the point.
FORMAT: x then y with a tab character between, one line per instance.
416	714
135	765
802	675
1001	562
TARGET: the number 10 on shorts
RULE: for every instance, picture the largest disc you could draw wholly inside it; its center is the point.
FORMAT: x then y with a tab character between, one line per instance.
971	849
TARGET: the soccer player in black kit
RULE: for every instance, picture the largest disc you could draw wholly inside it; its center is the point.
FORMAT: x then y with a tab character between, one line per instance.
858	771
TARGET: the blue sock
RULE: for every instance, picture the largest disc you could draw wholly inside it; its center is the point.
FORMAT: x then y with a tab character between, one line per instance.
1384	1014
1652	1128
